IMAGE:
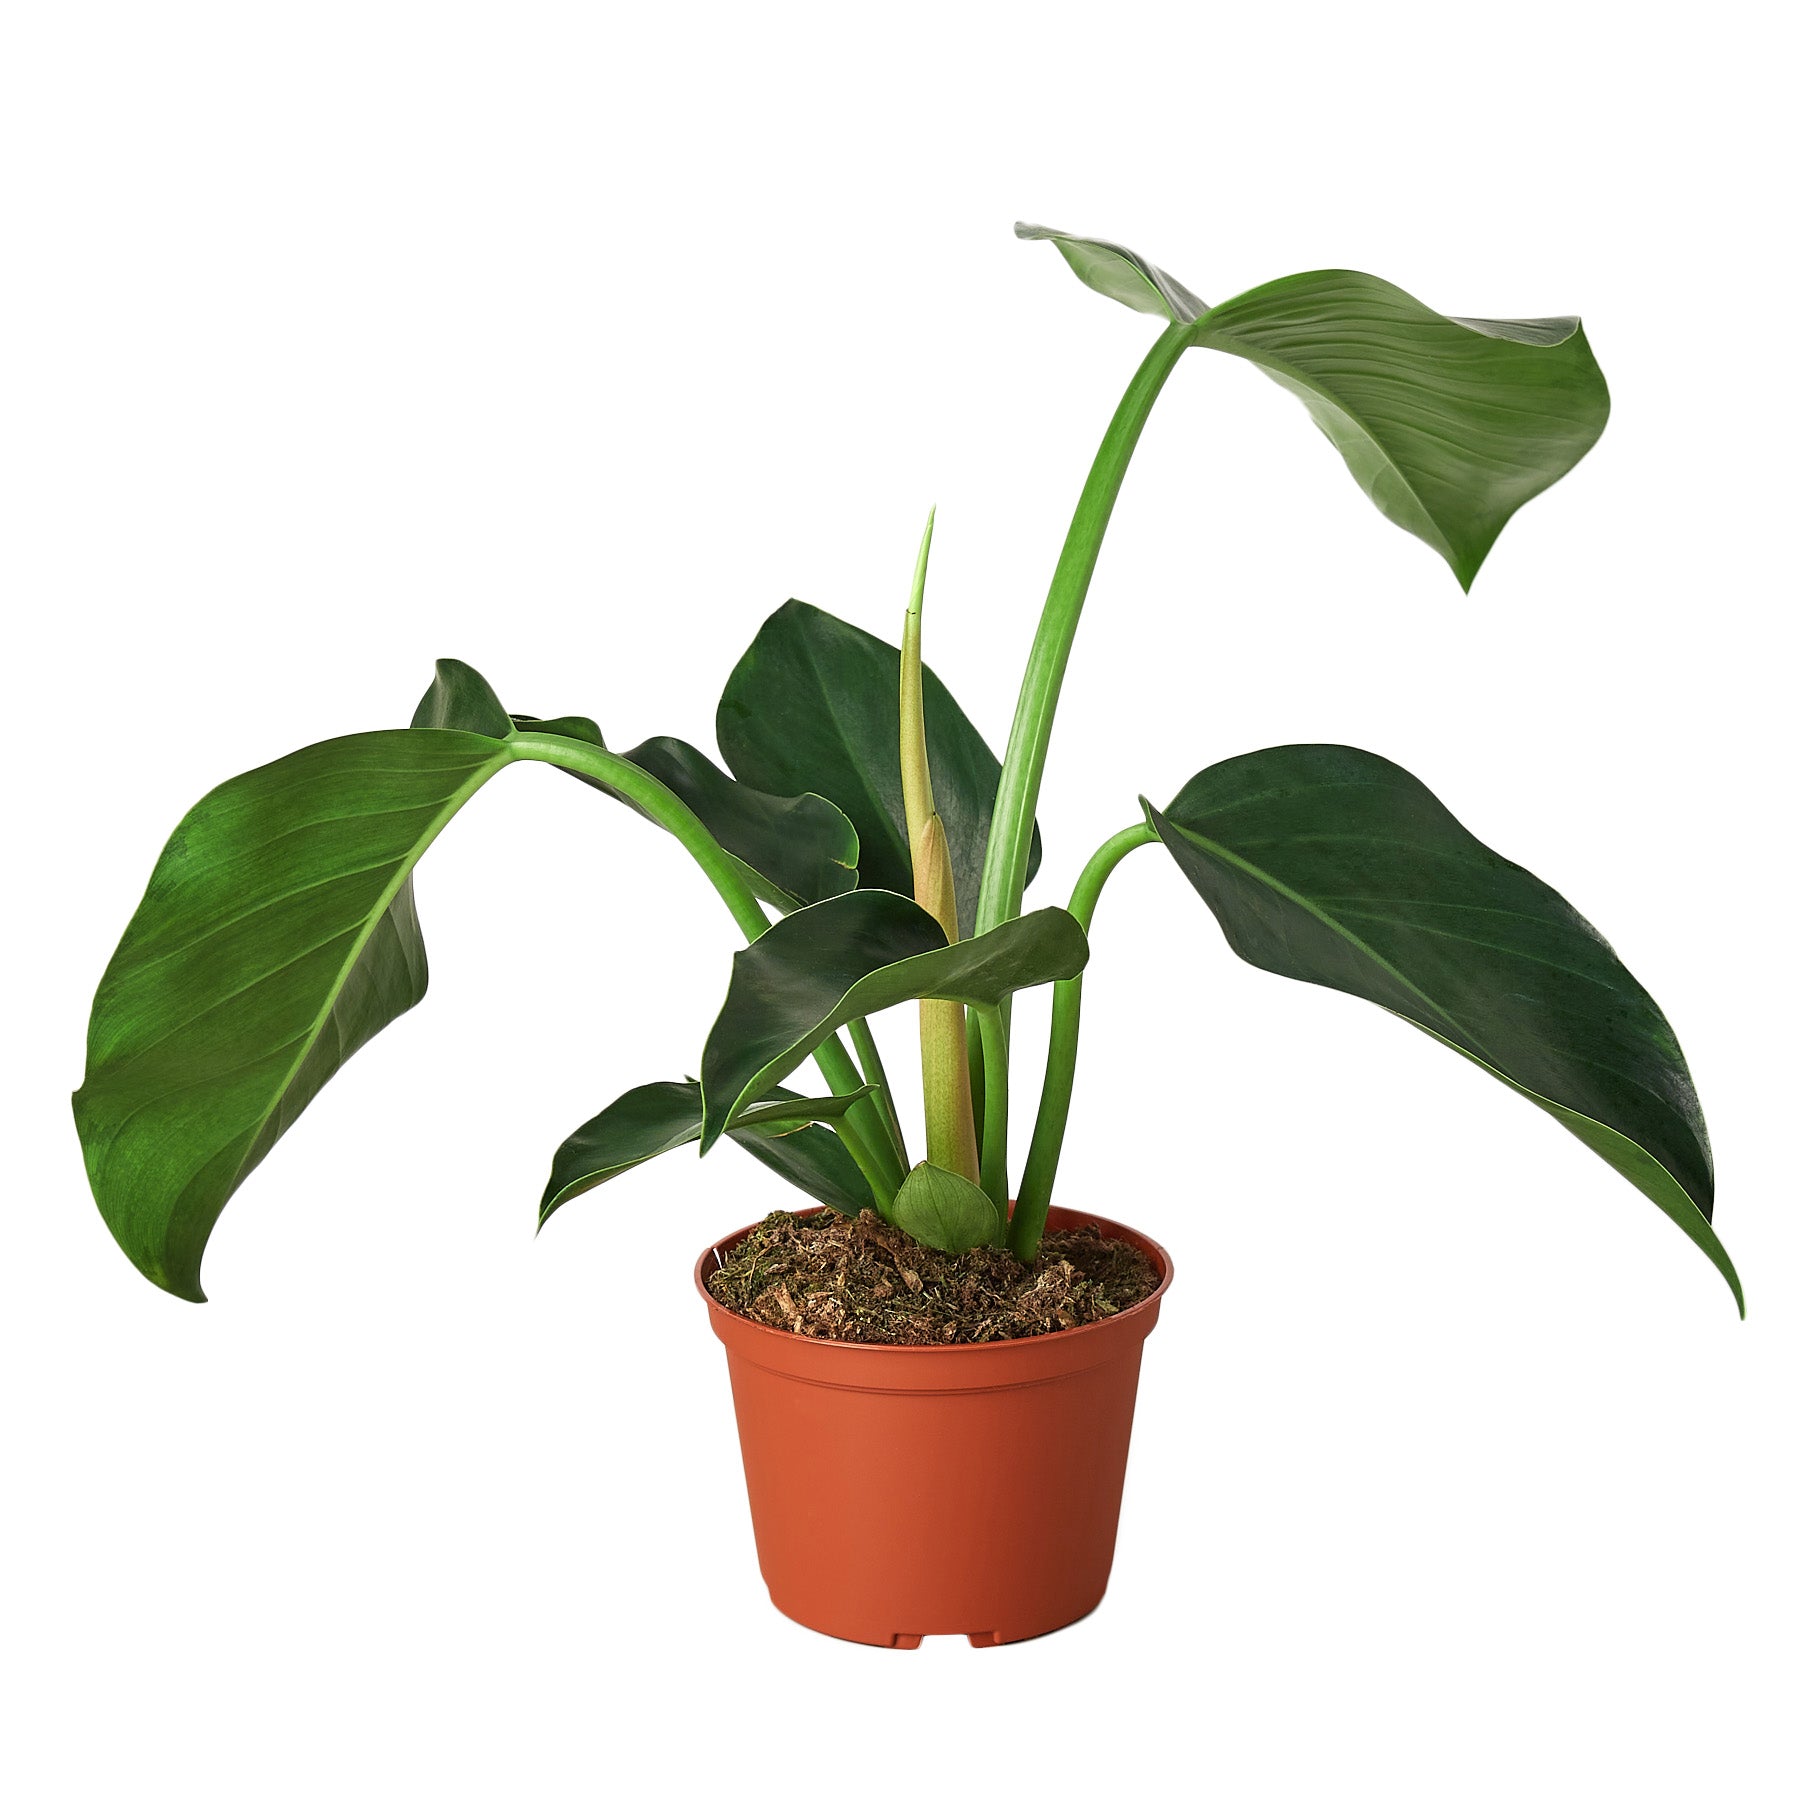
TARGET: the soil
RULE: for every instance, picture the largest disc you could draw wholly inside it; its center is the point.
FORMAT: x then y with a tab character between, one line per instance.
866	1282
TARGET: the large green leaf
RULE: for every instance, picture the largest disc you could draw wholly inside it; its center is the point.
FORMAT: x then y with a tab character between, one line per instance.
843	959
813	706
276	937
1448	424
1334	866
791	850
649	1121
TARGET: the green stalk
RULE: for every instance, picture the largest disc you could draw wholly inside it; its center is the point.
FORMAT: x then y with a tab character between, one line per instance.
1015	806
1022	775
864	1129
991	1024
1059	1066
868	1053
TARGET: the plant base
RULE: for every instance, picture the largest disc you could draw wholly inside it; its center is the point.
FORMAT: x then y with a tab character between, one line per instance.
901	1492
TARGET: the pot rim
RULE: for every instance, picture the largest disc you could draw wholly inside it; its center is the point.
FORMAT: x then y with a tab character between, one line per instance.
711	1257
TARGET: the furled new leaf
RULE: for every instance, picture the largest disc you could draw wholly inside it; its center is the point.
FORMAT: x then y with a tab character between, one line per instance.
814	706
792	851
1448	424
844	959
276	937
1331	865
781	1131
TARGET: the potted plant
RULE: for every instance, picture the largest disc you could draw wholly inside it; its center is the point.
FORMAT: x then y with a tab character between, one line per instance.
960	1470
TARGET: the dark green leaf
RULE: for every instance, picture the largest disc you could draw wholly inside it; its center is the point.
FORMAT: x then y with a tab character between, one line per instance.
791	851
459	699
843	959
945	1210
1330	865
664	1115
571	725
814	707
815	1161
1448	424
277	937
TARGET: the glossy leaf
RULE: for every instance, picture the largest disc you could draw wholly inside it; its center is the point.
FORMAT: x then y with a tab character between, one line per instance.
1448	424
276	937
664	1115
459	699
945	1210
792	851
1334	866
844	959
814	706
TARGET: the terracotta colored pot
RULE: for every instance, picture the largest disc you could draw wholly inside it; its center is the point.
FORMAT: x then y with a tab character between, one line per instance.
901	1491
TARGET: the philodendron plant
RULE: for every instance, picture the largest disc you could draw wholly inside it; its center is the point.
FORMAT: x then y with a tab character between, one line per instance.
862	808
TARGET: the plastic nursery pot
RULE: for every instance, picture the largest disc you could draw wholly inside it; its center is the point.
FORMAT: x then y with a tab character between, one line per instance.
901	1491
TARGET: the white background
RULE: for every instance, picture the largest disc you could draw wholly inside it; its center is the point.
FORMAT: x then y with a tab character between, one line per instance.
340	338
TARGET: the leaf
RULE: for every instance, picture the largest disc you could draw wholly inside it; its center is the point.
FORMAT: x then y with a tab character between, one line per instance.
844	959
814	706
794	851
945	1210
1334	866
1121	275
791	851
1448	424
663	1115
459	699
276	937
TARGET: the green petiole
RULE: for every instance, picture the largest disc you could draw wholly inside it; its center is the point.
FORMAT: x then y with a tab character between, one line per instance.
1022	774
1059	1066
865	1129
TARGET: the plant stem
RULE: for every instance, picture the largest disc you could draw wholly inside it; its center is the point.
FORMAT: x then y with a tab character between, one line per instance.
1059	1067
879	1159
1022	775
991	1023
868	1053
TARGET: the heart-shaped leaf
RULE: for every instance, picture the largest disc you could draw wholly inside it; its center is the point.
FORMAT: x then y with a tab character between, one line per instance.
1448	424
1334	866
792	851
820	968
663	1115
813	706
276	937
945	1210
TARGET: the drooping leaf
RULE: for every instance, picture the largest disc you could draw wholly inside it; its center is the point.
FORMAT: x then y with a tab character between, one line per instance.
945	1210
844	959
813	706
1121	275
276	937
1448	424
663	1115
1334	866
792	851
